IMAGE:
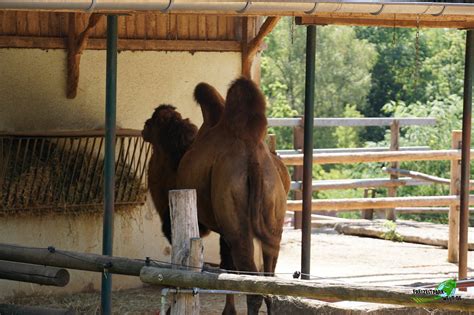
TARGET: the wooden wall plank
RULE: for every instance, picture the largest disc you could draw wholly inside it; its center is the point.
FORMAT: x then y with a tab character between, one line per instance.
54	30
193	26
100	30
162	26
221	28
129	27
172	32
22	23
63	24
202	33
183	27
2	21
33	25
44	23
211	25
230	34
140	25
150	26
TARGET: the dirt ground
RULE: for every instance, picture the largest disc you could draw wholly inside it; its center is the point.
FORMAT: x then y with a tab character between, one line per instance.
335	258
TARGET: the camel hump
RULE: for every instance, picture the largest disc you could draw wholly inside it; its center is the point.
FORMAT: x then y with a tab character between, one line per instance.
211	102
244	110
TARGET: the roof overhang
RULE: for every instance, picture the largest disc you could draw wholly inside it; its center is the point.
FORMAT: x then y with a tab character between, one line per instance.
401	13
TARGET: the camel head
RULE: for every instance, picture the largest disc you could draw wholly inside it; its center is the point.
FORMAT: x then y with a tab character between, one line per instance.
167	131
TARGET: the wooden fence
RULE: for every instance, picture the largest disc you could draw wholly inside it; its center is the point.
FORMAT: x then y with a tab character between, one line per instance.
394	155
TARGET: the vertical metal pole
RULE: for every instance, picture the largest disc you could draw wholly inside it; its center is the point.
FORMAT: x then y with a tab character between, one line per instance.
109	162
465	155
308	150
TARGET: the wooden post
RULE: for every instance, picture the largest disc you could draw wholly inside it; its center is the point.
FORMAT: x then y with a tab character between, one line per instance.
298	141
394	146
187	247
454	189
272	143
369	213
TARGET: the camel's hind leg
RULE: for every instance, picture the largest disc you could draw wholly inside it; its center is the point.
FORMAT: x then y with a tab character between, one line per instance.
242	254
228	264
269	265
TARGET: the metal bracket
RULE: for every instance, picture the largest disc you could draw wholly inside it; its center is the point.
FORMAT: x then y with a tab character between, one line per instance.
247	6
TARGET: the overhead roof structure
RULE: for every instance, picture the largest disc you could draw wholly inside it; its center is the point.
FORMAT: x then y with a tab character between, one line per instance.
388	13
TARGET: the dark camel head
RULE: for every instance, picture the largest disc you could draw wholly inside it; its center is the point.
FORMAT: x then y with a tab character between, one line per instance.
167	131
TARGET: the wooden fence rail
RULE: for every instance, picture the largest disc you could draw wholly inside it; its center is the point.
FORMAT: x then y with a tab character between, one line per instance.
376	203
367	157
298	288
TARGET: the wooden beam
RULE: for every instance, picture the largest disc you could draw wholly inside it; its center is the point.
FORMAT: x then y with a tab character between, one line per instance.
250	49
297	288
123	44
389	20
77	42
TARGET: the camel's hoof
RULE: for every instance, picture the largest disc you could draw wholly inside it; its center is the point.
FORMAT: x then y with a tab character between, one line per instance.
229	310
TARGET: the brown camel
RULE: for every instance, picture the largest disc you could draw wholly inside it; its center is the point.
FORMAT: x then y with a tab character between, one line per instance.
240	192
170	136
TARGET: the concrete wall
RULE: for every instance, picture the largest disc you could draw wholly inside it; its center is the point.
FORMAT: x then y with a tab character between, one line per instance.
32	97
33	87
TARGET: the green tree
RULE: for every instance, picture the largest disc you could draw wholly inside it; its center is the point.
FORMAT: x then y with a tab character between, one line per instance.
343	65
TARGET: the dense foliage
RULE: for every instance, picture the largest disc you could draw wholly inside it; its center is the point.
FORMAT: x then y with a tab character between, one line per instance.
369	72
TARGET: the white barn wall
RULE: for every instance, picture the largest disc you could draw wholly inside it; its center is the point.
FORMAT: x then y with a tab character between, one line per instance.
32	98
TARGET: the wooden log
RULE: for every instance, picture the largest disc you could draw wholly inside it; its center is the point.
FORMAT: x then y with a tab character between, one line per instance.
34	273
73	260
454	189
394	146
11	309
184	227
376	203
334	158
298	288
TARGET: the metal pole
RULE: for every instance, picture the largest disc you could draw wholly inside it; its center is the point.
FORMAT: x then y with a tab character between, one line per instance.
308	150
465	155
109	162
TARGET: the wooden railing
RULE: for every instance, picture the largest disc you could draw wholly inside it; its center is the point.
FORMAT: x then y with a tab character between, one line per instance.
394	155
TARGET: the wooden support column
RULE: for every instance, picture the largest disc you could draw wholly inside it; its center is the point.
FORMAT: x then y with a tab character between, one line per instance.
77	42
454	189
187	246
250	48
394	146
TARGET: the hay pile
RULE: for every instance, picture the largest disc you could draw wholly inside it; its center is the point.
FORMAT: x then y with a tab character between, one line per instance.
61	174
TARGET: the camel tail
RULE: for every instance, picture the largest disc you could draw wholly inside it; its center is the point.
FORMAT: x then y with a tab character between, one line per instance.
211	102
244	111
262	228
